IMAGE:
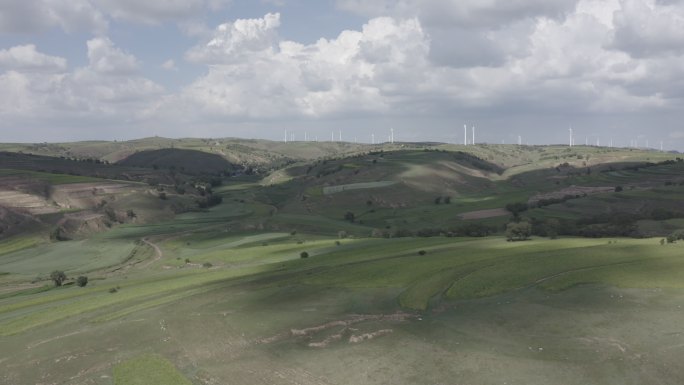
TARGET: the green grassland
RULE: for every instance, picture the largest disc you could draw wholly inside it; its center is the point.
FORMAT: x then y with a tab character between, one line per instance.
146	370
278	285
267	289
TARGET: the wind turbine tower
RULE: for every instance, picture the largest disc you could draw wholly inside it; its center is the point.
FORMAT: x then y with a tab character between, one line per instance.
285	136
519	140
473	135
392	135
340	135
661	145
465	135
372	138
570	136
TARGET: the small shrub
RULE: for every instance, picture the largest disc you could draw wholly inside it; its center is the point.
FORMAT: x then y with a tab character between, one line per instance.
113	290
337	243
304	254
422	252
58	277
349	216
207	265
187	260
82	281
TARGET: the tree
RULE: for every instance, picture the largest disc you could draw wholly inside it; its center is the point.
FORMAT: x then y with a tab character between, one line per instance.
304	254
349	216
517	208
82	281
551	227
518	231
58	277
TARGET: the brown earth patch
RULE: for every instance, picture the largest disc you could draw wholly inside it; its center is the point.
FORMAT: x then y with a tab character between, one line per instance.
482	214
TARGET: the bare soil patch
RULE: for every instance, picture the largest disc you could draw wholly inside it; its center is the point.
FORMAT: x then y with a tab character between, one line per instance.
482	214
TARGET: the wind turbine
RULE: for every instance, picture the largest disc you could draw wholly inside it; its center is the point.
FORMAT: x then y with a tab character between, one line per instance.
473	135
661	145
373	138
570	136
285	136
392	135
519	140
340	135
465	135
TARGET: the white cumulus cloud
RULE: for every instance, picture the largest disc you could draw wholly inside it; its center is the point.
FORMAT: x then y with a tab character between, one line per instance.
104	57
231	41
27	58
108	88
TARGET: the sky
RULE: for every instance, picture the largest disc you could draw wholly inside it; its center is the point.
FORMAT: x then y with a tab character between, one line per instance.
612	70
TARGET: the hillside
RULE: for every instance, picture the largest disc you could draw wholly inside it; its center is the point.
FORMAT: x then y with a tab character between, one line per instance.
407	192
185	161
393	189
389	258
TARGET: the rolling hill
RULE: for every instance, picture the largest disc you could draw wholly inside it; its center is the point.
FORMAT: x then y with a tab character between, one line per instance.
336	263
185	161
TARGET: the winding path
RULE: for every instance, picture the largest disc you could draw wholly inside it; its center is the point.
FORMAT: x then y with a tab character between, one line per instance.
158	253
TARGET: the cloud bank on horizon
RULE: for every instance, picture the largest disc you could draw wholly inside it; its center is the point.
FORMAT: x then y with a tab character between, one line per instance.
610	68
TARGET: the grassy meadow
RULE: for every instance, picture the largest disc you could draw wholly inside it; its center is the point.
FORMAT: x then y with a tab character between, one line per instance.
278	284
